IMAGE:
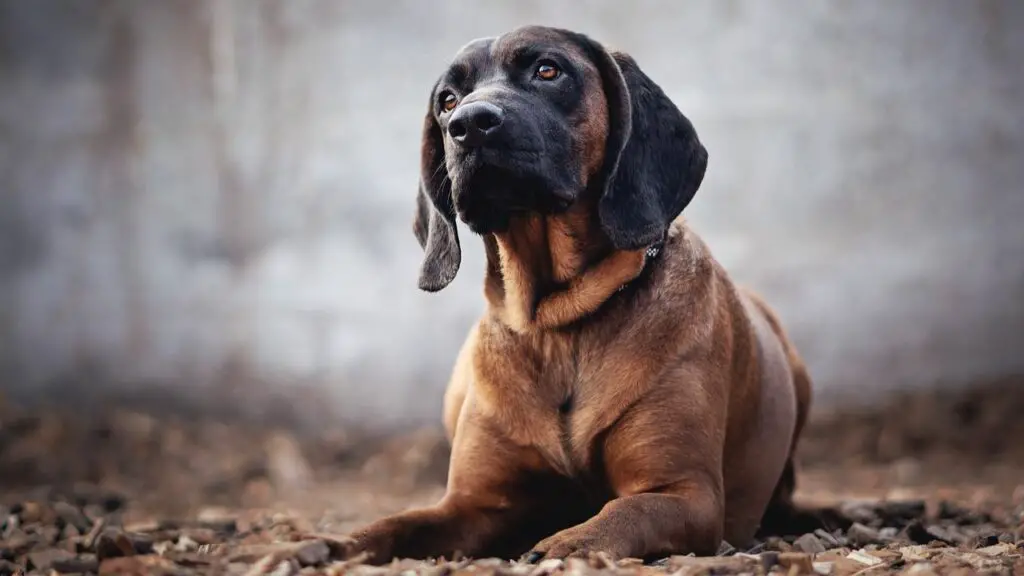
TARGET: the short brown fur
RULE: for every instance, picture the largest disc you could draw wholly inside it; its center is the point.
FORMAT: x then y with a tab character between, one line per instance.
655	420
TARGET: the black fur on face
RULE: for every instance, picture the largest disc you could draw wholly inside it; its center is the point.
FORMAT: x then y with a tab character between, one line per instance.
498	141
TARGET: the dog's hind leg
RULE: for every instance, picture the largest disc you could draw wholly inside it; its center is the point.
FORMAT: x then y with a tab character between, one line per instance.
782	515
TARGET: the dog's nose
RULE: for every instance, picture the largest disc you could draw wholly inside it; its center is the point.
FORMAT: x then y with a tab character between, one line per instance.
474	123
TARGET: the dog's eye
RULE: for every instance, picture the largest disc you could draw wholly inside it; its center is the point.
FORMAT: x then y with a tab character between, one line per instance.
547	70
448	102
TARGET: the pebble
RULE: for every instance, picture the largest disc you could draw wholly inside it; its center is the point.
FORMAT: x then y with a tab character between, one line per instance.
313	552
810	544
44	560
113	543
80	564
73	516
858	511
827	539
861	535
776	544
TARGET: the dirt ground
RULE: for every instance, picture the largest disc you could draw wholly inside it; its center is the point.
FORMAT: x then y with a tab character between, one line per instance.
933	483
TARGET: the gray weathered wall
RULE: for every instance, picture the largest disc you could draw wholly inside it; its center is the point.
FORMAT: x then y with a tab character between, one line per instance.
216	196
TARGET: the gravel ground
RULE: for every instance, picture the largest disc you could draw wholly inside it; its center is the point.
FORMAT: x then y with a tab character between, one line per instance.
932	484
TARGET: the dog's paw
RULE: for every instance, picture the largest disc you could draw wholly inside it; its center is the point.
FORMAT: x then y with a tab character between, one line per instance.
576	542
372	545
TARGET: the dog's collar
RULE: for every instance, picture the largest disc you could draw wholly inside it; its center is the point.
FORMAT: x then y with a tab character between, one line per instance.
652	252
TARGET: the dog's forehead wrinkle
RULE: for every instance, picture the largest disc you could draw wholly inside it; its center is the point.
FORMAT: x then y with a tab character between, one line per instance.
470	61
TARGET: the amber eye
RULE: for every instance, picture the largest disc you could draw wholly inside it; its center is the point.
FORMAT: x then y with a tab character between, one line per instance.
449	102
547	71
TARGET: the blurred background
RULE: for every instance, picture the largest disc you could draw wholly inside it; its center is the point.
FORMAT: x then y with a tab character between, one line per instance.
207	205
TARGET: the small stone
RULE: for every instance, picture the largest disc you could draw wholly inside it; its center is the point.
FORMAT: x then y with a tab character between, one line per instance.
776	544
49	532
114	544
44	560
943	534
340	545
861	535
858	511
71	533
77	565
305	552
313	553
809	544
16	545
725	549
920	533
827	539
73	516
888	533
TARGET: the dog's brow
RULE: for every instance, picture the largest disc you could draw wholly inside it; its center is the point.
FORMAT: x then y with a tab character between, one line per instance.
522	54
457	73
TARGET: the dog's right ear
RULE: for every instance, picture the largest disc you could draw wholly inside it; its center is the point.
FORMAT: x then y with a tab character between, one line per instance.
434	224
654	161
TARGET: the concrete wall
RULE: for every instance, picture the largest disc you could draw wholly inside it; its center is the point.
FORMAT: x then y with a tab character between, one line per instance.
215	197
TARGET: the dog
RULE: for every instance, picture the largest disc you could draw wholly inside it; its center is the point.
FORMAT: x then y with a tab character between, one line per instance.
620	394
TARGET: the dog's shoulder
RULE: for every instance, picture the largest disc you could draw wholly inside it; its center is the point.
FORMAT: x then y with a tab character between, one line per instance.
689	293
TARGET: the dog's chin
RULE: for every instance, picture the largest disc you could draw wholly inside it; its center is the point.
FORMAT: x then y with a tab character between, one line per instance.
488	197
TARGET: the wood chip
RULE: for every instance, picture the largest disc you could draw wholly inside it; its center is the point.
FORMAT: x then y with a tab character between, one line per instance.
864	558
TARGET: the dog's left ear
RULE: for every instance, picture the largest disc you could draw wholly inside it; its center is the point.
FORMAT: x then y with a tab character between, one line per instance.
654	163
434	223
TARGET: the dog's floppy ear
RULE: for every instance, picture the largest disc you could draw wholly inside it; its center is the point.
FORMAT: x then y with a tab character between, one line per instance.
654	163
434	224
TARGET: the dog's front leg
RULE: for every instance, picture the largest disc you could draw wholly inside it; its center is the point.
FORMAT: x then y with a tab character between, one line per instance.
642	526
453	526
663	463
487	510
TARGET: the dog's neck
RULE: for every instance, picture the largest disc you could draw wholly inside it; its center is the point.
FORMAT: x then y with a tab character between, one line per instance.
547	272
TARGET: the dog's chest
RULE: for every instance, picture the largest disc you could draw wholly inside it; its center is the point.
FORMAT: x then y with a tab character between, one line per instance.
548	397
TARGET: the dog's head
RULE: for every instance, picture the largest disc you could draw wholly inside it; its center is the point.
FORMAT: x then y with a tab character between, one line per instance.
529	122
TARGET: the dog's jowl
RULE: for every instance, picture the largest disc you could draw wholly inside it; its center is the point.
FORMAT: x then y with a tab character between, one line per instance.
620	393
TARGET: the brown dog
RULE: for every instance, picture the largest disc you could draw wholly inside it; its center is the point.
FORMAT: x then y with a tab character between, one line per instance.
620	394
